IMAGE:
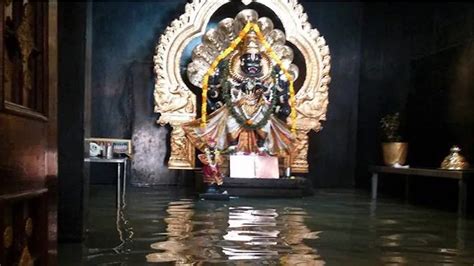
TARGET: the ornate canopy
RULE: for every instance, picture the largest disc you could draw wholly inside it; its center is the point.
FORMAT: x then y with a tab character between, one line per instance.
175	100
216	40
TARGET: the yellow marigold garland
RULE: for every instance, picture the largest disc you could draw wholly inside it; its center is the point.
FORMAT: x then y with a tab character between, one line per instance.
275	58
230	49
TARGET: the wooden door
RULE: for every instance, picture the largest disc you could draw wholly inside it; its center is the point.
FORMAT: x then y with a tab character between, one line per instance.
28	93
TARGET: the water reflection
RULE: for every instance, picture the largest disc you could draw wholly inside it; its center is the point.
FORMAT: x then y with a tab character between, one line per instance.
255	232
124	231
240	234
123	227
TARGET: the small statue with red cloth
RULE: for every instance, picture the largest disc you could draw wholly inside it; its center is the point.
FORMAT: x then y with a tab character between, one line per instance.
212	176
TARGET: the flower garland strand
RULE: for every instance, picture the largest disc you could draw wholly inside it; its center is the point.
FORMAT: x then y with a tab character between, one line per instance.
212	70
238	117
212	163
230	49
288	76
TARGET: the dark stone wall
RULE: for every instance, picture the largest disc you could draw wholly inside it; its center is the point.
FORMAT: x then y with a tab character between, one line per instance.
382	56
71	182
417	59
124	37
332	151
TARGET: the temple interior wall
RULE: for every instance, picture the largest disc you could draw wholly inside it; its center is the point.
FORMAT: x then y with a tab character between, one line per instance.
124	38
377	50
417	59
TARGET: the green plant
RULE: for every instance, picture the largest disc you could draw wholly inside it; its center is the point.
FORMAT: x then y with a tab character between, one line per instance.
390	125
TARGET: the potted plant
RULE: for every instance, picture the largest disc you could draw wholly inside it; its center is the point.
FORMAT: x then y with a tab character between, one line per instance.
394	149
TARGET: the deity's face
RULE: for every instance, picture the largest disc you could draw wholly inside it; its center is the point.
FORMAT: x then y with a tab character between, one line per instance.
251	64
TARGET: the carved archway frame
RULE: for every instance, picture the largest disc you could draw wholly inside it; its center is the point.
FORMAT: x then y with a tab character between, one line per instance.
177	103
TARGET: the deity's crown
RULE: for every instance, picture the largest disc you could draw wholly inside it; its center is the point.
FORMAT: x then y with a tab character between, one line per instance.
250	44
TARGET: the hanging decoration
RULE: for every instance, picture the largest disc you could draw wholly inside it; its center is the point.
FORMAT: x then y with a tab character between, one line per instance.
233	45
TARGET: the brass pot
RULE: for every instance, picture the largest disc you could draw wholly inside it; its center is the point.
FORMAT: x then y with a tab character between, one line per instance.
454	161
394	152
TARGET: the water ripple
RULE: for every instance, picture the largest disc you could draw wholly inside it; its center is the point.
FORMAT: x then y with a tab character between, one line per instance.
234	233
341	228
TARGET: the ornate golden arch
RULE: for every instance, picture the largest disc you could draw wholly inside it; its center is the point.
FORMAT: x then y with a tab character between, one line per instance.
177	103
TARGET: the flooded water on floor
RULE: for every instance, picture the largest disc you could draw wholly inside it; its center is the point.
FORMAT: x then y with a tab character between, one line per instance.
333	227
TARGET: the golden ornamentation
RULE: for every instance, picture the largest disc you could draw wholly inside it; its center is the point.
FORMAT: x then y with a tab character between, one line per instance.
8	237
8	10
27	43
9	30
454	161
311	99
182	150
29	227
8	77
299	161
25	259
394	153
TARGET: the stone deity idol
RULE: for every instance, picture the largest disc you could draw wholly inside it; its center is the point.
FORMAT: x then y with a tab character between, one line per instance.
248	98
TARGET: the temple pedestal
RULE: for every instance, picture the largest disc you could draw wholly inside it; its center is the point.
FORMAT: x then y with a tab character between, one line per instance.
257	176
265	187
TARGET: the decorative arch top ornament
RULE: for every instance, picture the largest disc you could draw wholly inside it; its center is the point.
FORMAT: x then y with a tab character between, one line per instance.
176	103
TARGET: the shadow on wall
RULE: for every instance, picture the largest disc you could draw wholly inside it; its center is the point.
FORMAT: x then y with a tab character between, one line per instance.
440	106
125	36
